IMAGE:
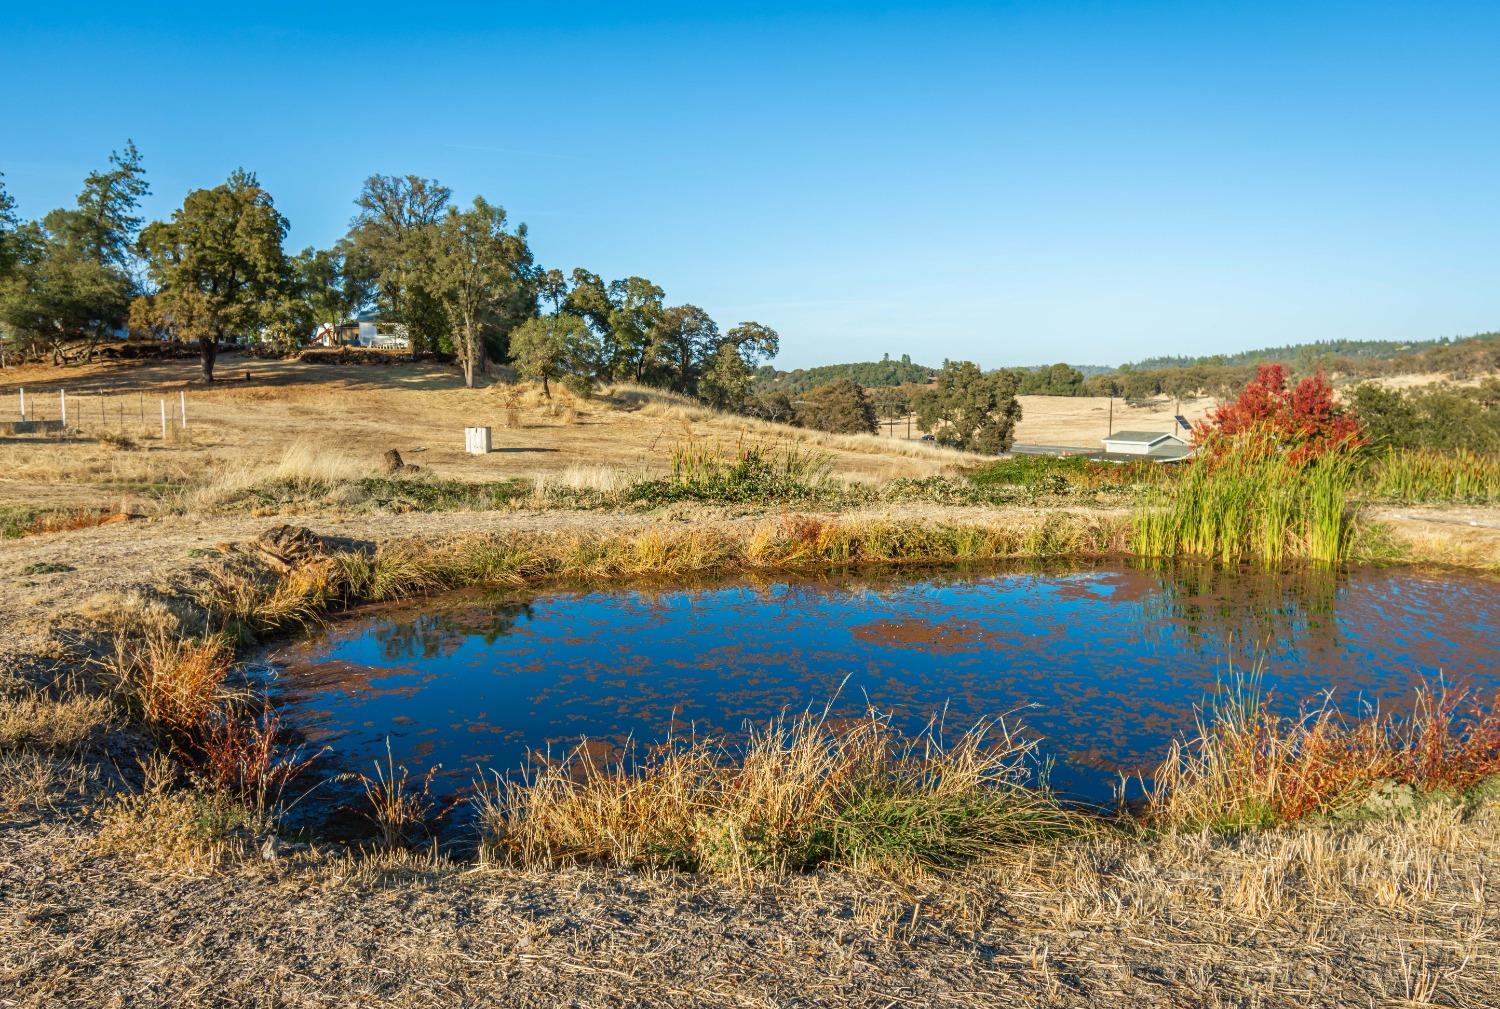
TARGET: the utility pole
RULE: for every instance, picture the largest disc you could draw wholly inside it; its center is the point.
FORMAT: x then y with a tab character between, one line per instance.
1111	415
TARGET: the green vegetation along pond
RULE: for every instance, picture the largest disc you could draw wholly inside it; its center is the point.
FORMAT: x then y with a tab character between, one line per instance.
1106	664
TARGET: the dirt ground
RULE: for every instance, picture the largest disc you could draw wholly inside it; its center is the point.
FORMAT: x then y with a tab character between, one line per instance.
1373	914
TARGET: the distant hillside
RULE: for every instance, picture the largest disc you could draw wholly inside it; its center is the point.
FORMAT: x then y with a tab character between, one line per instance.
1346	361
1218	375
870	374
1302	356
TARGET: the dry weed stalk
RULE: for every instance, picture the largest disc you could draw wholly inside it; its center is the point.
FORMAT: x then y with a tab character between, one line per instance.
177	682
400	806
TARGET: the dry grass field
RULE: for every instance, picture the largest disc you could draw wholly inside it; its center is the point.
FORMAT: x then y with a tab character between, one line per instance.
111	896
293	418
268	418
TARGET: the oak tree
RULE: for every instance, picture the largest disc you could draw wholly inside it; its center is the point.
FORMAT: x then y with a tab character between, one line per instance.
218	265
556	347
483	275
969	408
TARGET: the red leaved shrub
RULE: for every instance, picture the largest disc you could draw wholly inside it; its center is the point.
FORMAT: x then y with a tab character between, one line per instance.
1303	421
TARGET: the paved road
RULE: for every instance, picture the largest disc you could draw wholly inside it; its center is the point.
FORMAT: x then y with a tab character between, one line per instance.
1019	449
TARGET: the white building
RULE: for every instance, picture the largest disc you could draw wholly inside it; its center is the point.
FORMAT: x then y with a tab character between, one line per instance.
1152	444
367	330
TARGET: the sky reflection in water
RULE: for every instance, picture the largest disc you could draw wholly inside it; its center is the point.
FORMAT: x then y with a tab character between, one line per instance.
1105	664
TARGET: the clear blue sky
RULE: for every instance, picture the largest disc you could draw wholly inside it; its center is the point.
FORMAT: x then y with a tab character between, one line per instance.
1015	183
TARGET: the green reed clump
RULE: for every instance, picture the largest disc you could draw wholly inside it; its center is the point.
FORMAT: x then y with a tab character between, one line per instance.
1431	475
1249	504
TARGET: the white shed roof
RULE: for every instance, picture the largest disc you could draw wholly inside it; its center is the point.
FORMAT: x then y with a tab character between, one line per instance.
1141	437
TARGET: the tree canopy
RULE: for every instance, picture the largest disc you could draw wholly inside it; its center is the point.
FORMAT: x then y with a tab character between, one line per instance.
67	280
840	406
556	347
394	232
218	265
870	374
969	408
483	275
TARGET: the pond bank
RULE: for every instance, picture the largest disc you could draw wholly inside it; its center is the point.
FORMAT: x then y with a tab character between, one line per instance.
1394	904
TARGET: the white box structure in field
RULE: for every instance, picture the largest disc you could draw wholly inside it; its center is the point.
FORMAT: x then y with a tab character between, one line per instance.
477	440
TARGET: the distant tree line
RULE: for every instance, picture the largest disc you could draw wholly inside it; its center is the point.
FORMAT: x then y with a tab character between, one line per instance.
1302	357
870	374
1218	376
457	280
963	406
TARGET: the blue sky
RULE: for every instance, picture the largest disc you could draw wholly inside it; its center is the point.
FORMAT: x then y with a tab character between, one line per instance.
1010	183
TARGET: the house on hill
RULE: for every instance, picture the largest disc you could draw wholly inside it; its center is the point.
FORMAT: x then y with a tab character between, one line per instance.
367	330
1158	445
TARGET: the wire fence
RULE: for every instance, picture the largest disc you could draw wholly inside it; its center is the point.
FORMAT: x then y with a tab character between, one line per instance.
143	411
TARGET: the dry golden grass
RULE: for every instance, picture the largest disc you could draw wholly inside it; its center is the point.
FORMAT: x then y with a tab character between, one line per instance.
34	719
695	419
303	422
177	829
303	463
242	595
1248	767
177	682
797	794
36	782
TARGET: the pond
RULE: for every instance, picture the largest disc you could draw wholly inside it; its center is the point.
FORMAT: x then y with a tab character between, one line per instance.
1105	664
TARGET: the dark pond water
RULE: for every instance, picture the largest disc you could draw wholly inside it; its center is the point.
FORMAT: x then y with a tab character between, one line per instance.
1105	664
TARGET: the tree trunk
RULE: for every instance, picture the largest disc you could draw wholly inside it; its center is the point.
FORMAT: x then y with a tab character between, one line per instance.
545	390
208	349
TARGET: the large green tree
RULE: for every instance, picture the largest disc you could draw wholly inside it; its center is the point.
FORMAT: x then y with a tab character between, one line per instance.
556	347
218	265
68	278
729	370
484	276
679	344
395	231
969	408
1057	380
337	283
106	222
625	313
